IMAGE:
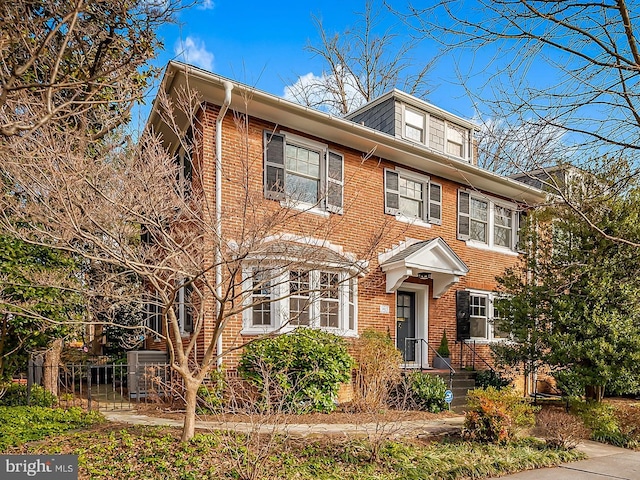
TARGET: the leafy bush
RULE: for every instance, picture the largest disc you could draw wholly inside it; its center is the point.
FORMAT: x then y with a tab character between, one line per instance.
420	391
491	378
607	424
377	370
23	424
16	395
210	396
568	383
427	392
297	372
496	416
443	349
560	429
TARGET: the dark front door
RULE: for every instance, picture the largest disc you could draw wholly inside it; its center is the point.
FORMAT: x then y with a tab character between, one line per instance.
406	325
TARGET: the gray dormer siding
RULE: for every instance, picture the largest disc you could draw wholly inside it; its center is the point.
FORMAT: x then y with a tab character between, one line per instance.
384	117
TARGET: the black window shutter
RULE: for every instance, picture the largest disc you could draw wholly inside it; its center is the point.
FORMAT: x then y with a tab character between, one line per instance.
464	219
273	165
391	192
463	317
435	203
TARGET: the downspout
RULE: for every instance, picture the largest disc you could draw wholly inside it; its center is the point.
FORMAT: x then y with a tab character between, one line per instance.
218	227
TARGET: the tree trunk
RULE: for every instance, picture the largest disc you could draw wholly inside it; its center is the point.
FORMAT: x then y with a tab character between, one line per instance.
190	398
594	392
51	365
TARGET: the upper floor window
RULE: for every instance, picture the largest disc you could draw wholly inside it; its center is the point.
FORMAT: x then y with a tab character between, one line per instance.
439	134
487	221
412	195
290	298
303	171
414	125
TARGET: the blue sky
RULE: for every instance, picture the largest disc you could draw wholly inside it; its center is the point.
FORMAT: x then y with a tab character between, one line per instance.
262	44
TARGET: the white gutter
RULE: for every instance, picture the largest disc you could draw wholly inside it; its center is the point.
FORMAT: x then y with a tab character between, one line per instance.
228	86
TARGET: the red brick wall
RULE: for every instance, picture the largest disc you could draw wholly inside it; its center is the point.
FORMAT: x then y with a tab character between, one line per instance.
363	218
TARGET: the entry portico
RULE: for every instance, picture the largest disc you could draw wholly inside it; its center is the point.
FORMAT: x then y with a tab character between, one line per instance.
422	260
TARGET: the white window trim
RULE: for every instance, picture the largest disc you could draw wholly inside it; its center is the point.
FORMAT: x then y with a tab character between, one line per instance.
491	297
313	208
426	181
320	207
280	305
467	148
490	245
425	124
466	154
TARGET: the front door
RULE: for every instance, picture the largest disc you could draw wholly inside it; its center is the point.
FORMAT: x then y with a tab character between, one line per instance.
406	325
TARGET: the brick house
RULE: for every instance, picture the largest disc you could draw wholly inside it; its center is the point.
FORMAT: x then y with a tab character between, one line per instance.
398	169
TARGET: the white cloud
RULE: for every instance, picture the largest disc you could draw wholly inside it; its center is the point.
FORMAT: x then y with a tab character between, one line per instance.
206	5
322	92
192	50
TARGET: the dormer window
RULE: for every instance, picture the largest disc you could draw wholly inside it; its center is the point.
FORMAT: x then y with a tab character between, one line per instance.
436	133
414	123
455	140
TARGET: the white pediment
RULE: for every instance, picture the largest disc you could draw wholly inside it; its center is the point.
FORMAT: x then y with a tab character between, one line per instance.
434	257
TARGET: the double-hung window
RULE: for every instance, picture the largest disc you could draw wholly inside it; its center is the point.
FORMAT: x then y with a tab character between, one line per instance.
484	316
322	298
414	125
483	220
303	172
503	227
413	196
329	300
456	140
262	298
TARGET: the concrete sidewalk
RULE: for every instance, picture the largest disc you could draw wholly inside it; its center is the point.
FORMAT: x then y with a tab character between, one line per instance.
604	462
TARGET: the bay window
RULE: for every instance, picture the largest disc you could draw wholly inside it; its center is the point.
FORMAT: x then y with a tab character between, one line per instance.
285	299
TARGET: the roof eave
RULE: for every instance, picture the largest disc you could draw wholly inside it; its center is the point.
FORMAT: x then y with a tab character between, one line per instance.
284	113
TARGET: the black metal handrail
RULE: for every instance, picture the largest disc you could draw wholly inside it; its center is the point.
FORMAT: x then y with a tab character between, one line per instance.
475	355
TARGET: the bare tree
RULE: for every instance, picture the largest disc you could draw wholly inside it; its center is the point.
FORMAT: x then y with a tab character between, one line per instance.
525	146
80	63
571	66
361	63
131	210
566	66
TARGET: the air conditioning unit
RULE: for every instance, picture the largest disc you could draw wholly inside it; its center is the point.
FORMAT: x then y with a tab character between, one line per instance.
148	373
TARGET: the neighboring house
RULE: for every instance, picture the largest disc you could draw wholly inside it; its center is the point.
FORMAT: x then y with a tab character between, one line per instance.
399	168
